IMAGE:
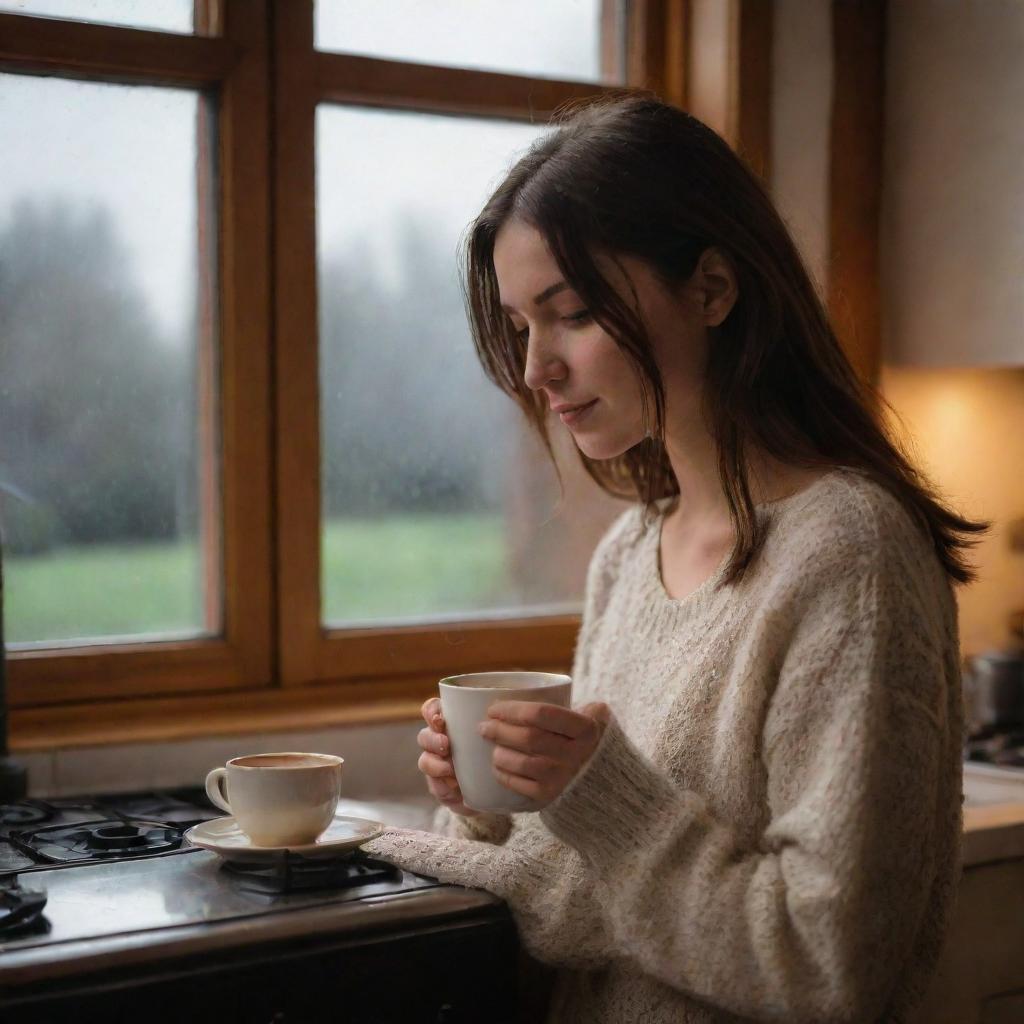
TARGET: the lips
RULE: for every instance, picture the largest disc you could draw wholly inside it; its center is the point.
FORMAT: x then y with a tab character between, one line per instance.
567	407
571	414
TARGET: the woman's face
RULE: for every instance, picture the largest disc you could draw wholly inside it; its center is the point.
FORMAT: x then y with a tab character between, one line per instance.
573	361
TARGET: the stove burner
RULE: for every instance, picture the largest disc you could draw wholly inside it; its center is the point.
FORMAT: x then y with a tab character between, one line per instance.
96	840
26	812
292	872
175	807
21	910
115	837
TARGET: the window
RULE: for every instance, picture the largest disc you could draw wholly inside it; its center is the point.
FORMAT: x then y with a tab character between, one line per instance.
106	341
578	40
247	447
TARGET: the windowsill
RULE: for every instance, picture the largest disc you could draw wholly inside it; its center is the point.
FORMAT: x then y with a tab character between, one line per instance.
110	723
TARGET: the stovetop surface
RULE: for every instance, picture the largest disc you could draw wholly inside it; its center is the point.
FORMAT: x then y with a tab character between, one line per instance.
91	867
42	833
89	901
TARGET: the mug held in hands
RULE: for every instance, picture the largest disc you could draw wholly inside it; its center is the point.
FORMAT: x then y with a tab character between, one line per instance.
464	703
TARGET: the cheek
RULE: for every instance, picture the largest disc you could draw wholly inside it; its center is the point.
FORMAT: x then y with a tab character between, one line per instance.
604	371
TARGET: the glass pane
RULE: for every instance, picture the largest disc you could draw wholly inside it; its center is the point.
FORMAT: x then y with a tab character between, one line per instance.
163	15
437	500
577	40
105	313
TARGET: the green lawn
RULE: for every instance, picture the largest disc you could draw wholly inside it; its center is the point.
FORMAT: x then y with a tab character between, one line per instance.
389	567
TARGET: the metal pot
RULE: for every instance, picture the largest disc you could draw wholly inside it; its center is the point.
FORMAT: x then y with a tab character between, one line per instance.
994	690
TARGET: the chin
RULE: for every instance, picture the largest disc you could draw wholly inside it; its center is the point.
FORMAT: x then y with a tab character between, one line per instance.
598	447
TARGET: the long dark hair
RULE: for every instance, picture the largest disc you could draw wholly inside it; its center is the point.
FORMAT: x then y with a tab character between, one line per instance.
630	174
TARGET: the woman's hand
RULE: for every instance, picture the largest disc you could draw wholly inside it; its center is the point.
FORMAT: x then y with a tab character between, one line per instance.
540	747
436	760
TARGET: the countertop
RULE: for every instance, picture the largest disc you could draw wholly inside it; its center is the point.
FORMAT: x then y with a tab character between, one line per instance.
993	832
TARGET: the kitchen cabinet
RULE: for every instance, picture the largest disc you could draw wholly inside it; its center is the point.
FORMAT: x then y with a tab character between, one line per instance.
441	975
952	237
980	975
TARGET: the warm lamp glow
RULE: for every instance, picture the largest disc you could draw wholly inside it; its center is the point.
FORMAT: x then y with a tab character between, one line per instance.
965	430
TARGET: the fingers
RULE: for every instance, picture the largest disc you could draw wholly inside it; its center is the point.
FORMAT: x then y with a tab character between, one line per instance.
431	708
526	766
598	711
445	793
445	790
435	762
529	740
435	742
551	717
441	783
435	767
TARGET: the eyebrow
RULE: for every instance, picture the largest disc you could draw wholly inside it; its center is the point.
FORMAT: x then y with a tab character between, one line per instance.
552	289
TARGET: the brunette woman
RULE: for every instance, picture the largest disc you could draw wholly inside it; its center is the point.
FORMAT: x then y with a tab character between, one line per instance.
753	811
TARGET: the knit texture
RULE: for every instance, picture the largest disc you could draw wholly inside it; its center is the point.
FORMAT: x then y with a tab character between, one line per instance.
770	826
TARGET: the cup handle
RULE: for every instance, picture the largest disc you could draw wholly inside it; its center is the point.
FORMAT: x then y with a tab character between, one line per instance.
215	791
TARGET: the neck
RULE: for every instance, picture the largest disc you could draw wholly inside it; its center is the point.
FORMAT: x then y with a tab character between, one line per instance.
702	503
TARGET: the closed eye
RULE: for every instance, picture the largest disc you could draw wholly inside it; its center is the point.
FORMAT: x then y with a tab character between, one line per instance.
581	317
577	318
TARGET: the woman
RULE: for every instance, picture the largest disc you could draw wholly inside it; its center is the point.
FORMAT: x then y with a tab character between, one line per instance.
754	810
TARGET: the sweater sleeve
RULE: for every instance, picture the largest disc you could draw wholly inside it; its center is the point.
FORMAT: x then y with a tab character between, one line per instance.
814	922
488	828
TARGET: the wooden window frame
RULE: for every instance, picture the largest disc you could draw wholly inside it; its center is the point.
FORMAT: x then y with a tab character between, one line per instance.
310	653
235	334
275	666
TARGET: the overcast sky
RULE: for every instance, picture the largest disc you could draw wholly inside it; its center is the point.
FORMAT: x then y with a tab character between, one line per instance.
131	148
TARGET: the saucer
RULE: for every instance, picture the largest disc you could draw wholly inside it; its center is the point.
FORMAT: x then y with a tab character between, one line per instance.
223	837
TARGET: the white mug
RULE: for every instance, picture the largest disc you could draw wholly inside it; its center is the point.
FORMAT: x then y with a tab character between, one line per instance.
279	799
464	703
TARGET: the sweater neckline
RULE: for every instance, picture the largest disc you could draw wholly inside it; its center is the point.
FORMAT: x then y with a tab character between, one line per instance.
702	593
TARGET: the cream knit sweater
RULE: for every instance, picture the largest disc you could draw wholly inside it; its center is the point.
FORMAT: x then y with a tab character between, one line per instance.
770	827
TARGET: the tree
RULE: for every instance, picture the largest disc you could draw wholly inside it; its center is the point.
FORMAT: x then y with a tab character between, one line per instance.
95	413
409	420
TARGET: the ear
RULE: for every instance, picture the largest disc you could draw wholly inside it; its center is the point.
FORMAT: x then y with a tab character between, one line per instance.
716	282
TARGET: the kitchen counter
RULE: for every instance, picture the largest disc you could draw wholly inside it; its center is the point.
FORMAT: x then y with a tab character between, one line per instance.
993	832
993	814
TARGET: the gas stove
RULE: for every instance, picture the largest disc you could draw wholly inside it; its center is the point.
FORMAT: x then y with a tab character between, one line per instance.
106	910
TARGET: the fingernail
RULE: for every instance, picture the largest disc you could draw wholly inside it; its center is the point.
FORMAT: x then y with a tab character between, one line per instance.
438	721
443	746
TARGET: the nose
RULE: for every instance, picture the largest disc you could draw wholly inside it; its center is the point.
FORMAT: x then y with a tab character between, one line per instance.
542	364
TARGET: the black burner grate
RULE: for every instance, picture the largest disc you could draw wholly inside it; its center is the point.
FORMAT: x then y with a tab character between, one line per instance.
21	910
98	840
292	872
183	807
27	812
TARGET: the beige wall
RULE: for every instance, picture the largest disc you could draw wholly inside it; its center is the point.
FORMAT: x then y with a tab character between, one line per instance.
968	427
953	200
801	114
952	250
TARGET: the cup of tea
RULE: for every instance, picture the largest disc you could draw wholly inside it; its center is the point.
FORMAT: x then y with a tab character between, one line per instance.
279	799
464	703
